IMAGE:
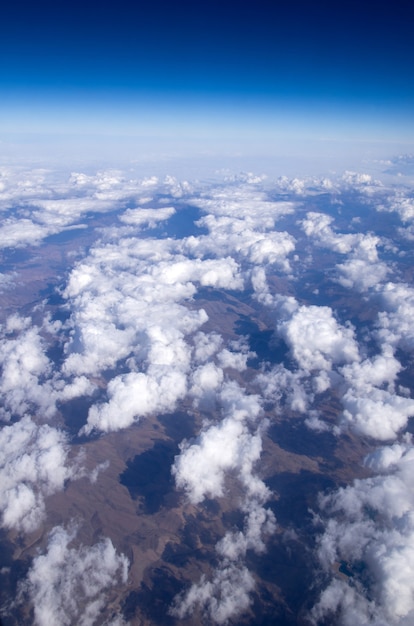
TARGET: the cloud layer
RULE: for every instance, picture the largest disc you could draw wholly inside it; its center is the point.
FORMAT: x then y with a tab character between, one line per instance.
169	303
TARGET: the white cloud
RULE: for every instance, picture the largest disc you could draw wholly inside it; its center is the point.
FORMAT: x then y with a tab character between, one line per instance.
400	203
46	204
243	201
318	226
286	388
363	182
378	413
304	186
206	345
25	371
67	585
362	270
206	381
249	238
146	217
33	465
28	380
224	597
135	395
370	409
395	322
201	467
371	522
20	232
360	275
232	446
316	340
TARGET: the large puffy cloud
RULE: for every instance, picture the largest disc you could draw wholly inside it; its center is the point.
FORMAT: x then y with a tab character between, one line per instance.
316	340
140	217
243	237
318	226
241	222
68	584
358	274
126	291
28	380
318	344
370	522
362	181
395	321
243	201
400	202
369	408
202	466
134	395
33	465
25	370
362	270
305	186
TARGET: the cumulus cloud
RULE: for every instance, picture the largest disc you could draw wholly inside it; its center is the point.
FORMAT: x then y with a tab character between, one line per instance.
318	226
359	275
243	201
286	388
401	203
370	522
224	597
305	186
233	445
124	292
135	395
378	413
25	370
47	205
246	237
28	380
361	181
69	584
33	465
395	321
404	206
316	340
201	467
370	409
362	270
146	217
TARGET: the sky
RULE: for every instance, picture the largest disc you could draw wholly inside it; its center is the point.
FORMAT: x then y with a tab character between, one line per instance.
210	76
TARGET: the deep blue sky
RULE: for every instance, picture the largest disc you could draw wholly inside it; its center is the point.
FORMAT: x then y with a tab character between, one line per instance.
339	67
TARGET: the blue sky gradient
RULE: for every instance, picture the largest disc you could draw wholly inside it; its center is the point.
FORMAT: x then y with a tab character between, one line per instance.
211	71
